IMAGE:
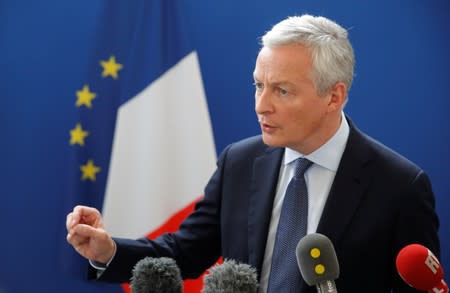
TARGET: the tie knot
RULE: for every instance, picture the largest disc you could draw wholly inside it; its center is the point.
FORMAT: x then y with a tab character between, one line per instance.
301	165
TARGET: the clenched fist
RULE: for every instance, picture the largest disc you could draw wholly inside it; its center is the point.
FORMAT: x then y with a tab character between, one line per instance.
87	234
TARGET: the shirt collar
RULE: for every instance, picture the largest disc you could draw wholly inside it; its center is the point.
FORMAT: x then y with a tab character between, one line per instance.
329	154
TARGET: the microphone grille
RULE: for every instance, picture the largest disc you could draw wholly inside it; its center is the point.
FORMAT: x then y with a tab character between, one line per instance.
151	275
231	277
419	267
317	259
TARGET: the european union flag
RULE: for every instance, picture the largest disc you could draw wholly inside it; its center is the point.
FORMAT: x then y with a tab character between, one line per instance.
140	109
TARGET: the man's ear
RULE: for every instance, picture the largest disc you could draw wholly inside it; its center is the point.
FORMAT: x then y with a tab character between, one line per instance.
337	97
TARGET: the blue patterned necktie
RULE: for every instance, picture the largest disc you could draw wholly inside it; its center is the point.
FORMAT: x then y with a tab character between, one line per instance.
285	274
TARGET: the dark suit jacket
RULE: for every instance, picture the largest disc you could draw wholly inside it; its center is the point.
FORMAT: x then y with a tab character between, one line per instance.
379	202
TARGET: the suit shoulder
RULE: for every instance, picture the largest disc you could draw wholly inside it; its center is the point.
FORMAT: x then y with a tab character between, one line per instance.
254	143
392	161
247	148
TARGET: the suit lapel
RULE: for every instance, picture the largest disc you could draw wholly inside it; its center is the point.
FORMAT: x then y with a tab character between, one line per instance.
352	179
264	181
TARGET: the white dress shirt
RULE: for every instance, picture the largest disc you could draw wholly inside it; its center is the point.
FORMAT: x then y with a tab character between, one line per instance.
319	178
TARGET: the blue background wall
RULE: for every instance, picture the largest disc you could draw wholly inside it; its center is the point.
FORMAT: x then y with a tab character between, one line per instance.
399	97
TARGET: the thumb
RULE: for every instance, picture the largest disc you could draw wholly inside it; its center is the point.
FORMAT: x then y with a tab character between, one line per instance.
92	243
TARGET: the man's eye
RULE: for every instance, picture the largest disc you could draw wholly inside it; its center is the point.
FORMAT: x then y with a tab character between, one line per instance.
283	92
258	85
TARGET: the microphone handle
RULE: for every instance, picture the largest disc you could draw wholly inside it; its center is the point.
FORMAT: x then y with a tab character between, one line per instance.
319	290
327	286
440	288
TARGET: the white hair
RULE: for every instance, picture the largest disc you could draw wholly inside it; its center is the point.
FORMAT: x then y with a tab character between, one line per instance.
332	54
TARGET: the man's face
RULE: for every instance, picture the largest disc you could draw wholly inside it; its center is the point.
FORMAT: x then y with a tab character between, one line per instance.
289	109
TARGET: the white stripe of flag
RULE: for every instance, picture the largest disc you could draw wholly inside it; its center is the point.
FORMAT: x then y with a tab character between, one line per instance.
163	152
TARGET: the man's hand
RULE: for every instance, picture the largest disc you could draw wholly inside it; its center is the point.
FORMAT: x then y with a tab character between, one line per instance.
87	234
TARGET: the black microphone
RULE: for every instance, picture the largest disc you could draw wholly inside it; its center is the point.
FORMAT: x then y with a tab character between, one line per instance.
318	262
231	277
152	275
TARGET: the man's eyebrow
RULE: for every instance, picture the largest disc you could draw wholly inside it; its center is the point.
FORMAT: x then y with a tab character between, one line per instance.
278	82
282	82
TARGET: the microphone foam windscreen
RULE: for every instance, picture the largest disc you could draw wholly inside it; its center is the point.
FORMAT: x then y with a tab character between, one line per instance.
418	267
152	275
231	277
317	259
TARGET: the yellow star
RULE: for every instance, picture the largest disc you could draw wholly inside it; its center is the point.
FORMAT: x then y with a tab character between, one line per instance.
110	67
85	97
77	135
89	171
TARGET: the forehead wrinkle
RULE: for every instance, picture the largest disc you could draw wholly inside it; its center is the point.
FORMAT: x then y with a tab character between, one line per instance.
277	79
271	70
264	72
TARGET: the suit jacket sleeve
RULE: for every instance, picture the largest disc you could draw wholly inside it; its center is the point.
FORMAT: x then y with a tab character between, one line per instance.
195	246
417	222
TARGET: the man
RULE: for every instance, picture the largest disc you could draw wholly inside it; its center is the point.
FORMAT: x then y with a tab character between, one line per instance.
367	199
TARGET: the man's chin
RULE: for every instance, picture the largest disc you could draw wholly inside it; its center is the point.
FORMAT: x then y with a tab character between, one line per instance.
270	141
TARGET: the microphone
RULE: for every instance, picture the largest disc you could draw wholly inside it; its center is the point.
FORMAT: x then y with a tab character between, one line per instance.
152	275
318	262
420	269
231	277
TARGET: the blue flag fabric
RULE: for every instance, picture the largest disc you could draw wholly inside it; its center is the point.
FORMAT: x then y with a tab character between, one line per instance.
136	41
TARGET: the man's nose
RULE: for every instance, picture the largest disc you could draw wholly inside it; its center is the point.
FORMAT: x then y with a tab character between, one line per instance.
263	102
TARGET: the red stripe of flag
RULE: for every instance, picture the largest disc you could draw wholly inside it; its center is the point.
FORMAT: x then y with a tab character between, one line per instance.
172	225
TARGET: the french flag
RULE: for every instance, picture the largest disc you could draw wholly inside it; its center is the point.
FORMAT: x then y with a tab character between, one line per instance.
163	154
